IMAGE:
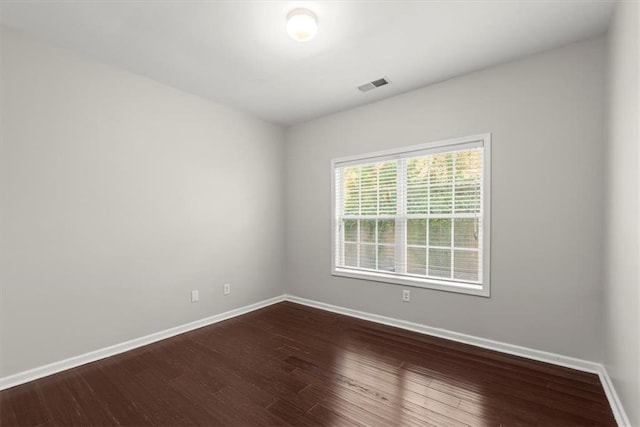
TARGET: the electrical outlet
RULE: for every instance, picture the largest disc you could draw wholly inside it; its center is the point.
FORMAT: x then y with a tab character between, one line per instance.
406	295
195	296
226	290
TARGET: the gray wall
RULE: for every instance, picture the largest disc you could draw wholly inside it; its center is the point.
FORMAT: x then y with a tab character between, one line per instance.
546	117
622	216
116	203
120	196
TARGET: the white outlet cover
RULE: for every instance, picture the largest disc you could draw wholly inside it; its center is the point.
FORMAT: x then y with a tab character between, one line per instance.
195	296
226	289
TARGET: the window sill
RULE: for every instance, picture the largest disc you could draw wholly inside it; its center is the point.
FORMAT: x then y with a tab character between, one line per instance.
440	285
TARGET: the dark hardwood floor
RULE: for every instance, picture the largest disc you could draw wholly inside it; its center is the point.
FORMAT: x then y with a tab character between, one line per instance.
288	364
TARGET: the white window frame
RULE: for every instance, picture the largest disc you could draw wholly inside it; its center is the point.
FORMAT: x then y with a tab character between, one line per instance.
481	289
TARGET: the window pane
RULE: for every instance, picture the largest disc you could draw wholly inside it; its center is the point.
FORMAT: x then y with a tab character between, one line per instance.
369	189
350	255
417	170
440	232
467	197
352	190
440	179
417	200
368	256
417	231
368	230
387	187
441	169
350	230
417	261
465	233
441	203
440	262
441	199
387	231
465	265
468	165
468	177
417	189
386	258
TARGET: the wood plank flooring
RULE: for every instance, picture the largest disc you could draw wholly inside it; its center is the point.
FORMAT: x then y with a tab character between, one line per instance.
288	364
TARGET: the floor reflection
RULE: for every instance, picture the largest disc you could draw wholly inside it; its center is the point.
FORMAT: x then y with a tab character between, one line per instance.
378	387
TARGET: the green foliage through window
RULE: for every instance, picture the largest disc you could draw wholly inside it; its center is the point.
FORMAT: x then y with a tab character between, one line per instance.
417	216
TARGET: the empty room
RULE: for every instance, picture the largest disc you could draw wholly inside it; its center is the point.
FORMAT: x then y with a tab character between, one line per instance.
320	213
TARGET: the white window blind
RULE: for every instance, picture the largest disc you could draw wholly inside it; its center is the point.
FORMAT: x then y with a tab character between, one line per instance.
415	216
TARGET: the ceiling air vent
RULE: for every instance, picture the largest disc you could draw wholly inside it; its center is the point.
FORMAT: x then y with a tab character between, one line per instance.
374	84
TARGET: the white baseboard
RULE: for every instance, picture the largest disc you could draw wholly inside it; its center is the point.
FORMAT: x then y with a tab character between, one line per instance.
614	400
516	350
529	353
72	362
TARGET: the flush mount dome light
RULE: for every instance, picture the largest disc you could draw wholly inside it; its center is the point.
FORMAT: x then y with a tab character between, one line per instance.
302	25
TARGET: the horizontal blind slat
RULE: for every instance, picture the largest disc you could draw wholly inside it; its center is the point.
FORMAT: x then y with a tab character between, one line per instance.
442	189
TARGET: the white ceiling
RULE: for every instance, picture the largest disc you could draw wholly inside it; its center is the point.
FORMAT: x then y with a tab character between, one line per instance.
238	53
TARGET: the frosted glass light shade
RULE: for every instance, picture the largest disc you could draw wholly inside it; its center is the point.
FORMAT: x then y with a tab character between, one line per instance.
302	25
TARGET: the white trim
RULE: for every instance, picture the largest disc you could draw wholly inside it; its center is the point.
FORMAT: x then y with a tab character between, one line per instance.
483	288
486	216
614	400
92	356
529	353
516	350
424	148
416	282
542	356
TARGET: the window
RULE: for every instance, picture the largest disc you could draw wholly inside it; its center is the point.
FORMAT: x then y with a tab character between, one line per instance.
416	216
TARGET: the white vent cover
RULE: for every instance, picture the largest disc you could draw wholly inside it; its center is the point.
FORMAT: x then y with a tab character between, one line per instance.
374	84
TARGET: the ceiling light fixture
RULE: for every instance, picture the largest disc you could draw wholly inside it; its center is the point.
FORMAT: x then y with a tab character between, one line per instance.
302	25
